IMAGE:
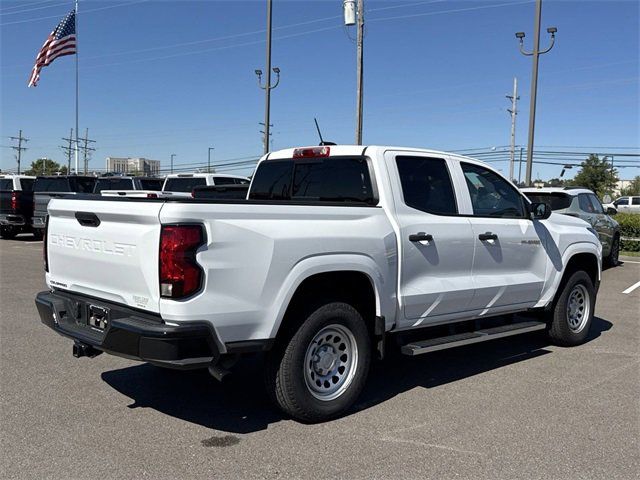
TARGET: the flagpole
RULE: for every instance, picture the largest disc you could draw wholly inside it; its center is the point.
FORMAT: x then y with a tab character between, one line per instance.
77	90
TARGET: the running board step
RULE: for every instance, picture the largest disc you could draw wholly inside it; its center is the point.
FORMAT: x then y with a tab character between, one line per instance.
451	341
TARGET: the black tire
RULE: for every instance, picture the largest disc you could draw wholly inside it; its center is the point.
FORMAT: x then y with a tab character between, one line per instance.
8	233
612	259
286	376
565	329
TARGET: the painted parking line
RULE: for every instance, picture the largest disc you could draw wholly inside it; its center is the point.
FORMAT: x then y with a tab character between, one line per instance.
629	261
632	288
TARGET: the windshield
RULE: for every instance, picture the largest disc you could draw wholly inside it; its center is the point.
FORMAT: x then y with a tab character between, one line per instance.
151	183
557	201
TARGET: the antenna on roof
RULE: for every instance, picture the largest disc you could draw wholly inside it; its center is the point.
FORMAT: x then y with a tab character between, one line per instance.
322	142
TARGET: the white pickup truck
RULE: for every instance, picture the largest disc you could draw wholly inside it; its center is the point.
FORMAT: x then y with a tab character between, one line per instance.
338	253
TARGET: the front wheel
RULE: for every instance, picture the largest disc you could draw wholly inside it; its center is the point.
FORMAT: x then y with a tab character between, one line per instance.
319	372
573	311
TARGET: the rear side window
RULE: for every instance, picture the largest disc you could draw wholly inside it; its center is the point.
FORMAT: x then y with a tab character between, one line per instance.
185	184
55	184
635	201
426	185
491	195
113	184
272	180
27	184
585	203
557	201
224	181
6	184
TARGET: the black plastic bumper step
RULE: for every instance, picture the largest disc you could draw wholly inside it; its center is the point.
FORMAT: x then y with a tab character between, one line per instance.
457	340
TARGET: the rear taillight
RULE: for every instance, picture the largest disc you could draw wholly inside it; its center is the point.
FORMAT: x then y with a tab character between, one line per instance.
45	255
15	197
180	275
152	195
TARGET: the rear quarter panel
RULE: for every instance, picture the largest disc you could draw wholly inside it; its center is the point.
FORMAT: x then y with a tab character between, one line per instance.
257	255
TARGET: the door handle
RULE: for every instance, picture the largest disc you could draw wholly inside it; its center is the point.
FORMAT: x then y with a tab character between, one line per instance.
420	237
488	236
87	219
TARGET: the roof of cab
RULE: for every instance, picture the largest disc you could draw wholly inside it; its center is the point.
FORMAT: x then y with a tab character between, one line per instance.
355	150
567	191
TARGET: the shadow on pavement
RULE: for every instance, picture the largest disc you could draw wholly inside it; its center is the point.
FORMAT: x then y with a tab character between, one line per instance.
241	405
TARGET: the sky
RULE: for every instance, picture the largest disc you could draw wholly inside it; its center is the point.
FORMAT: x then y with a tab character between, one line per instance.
177	77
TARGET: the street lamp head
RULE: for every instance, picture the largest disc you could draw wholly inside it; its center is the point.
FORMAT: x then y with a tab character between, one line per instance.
276	70
520	35
258	72
552	30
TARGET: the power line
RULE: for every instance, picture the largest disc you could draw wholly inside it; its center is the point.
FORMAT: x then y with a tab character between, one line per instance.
68	150
32	9
86	149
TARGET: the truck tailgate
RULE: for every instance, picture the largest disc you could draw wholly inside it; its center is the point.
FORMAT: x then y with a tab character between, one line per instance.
106	249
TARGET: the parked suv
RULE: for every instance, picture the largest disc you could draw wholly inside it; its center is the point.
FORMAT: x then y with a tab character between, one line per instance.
127	183
16	204
583	203
186	182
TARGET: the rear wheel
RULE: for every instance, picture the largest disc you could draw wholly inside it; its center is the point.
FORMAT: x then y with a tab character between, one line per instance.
320	371
573	311
38	234
8	232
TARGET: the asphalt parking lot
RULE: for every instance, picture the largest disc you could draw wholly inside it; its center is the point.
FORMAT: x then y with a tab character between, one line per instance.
512	408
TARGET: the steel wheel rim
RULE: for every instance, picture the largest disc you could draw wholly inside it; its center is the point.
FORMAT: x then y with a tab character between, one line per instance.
330	362
578	308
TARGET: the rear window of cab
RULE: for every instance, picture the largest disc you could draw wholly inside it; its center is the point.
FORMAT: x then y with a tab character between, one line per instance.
330	180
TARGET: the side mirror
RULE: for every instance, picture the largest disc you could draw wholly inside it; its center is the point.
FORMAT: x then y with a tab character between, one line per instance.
611	211
539	211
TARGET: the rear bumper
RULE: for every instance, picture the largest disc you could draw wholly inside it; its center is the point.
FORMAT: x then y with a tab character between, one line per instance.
13	220
130	333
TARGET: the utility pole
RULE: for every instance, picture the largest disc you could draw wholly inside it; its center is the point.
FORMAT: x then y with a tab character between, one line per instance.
86	149
19	149
513	111
209	159
68	150
354	15
535	53
268	87
172	157
266	135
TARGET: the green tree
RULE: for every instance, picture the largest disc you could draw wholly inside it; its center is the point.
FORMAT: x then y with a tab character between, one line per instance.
45	166
633	189
556	182
596	174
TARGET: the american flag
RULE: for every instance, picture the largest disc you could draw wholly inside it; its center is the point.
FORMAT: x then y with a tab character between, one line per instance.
62	41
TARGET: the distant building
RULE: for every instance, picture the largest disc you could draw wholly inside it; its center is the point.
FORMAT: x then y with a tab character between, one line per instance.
131	165
621	185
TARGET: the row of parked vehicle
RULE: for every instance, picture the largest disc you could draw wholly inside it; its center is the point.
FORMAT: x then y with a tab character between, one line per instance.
24	199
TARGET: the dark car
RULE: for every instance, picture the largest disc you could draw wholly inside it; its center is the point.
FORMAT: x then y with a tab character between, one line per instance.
16	204
46	188
583	203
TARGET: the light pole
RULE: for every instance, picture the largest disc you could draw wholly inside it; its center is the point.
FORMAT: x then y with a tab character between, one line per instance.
209	159
535	53
172	157
268	87
352	18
